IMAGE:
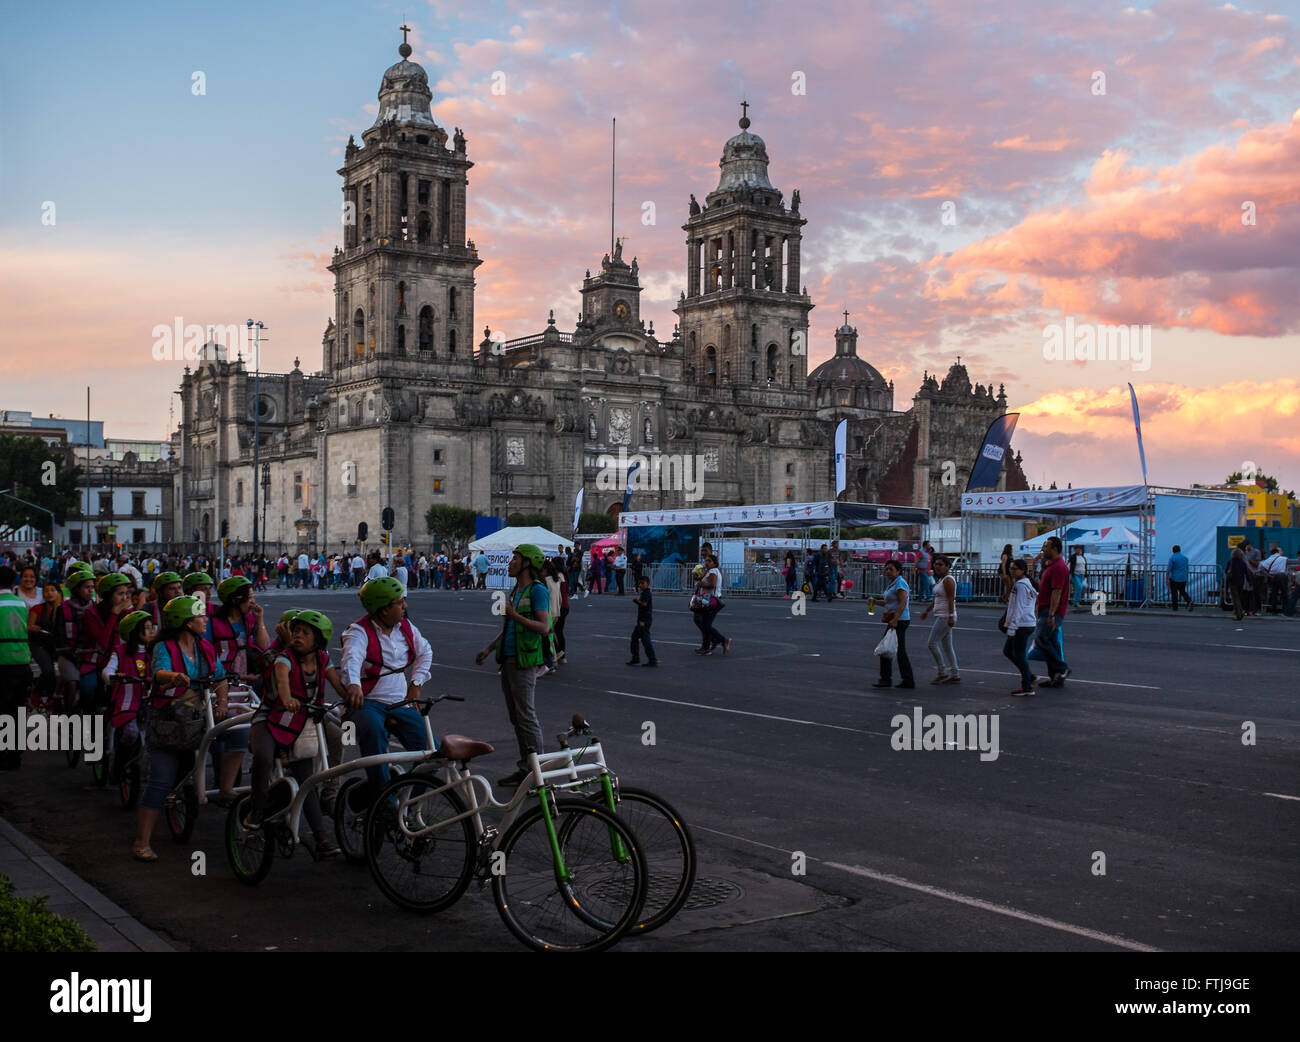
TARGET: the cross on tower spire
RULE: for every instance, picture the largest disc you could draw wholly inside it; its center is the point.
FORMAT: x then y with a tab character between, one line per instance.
405	49
744	115
846	318
405	29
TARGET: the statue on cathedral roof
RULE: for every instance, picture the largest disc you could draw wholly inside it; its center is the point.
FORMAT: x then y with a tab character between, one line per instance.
695	207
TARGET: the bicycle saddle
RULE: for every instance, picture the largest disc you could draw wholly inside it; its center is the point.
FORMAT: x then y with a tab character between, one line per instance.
458	747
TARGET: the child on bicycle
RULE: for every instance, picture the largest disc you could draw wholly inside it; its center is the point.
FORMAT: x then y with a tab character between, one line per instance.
296	677
130	660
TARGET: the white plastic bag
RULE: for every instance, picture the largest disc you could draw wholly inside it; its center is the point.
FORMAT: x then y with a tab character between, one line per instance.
888	646
307	744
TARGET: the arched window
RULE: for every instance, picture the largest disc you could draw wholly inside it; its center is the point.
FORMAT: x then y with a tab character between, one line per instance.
401	297
451	302
365	229
726	372
726	339
711	366
424	227
690	373
773	373
753	370
753	335
426	328
359	331
401	340
451	343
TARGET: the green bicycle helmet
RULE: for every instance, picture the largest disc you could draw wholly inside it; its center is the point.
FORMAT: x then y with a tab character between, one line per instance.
230	587
317	621
130	622
532	554
196	579
111	582
378	594
179	610
288	616
163	578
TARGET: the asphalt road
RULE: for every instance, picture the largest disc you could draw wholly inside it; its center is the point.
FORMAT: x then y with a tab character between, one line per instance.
1123	811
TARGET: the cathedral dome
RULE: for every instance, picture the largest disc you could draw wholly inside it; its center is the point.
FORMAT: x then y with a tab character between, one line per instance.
404	94
744	161
847	371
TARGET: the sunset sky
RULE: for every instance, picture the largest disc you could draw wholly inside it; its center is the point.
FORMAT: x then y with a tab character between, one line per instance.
1170	200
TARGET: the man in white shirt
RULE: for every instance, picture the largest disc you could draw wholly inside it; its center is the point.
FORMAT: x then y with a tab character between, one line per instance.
620	569
399	573
358	570
380	649
377	569
1274	566
131	572
304	570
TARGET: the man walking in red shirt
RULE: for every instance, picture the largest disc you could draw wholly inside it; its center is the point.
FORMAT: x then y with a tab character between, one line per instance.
1053	603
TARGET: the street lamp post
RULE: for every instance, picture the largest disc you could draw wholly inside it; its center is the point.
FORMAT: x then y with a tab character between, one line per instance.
266	493
256	328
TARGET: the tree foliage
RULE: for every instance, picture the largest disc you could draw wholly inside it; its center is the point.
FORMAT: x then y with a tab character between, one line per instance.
597	524
453	523
523	520
39	474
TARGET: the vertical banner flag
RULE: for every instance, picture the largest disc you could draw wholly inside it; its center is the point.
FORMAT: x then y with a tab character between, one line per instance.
631	481
988	464
1137	425
577	512
841	464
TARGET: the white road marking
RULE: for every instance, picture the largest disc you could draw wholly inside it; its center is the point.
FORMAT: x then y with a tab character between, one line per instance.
1281	796
1071	680
458	622
1247	647
745	712
950	895
656	640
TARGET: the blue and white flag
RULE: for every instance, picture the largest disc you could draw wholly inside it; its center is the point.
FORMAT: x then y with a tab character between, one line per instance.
986	469
631	482
1137	425
841	463
577	512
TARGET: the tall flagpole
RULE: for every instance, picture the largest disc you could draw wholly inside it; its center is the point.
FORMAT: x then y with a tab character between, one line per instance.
613	138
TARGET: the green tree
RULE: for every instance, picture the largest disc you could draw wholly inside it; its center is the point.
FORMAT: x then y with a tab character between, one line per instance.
40	474
453	523
597	524
522	520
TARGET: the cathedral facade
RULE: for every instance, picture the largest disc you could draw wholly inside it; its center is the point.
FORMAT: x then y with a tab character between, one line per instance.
408	410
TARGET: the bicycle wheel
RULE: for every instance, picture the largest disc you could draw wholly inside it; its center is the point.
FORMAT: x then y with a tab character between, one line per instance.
182	813
350	808
422	873
668	849
99	770
251	852
598	901
128	787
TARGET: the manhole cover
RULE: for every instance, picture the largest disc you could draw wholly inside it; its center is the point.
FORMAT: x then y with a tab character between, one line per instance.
709	893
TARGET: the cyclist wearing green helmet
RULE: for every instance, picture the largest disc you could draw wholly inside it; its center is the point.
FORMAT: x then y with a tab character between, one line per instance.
297	677
282	632
129	660
378	651
519	650
180	653
98	634
239	636
198	584
165	586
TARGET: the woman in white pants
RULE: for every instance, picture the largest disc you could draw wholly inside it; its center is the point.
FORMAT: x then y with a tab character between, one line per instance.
945	618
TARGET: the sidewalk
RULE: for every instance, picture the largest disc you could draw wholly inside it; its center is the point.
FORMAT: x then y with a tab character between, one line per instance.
35	874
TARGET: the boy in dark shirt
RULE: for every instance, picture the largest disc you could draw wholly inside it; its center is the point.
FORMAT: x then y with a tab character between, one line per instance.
643	600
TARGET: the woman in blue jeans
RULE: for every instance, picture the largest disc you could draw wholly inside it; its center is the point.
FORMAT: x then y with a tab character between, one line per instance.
184	622
897	618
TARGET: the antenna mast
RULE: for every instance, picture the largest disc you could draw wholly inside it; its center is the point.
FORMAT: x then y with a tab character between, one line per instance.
613	138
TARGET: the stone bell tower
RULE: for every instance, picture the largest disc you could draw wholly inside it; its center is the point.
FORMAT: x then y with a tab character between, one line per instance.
404	278
744	315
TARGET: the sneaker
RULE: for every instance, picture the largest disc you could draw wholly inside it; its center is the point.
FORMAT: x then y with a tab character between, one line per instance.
543	670
942	678
704	651
953	680
883	683
909	684
1047	681
562	657
651	663
1022	691
1059	679
632	662
512	781
326	850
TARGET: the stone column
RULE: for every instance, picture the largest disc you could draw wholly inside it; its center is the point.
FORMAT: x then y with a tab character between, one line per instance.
793	282
457	235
